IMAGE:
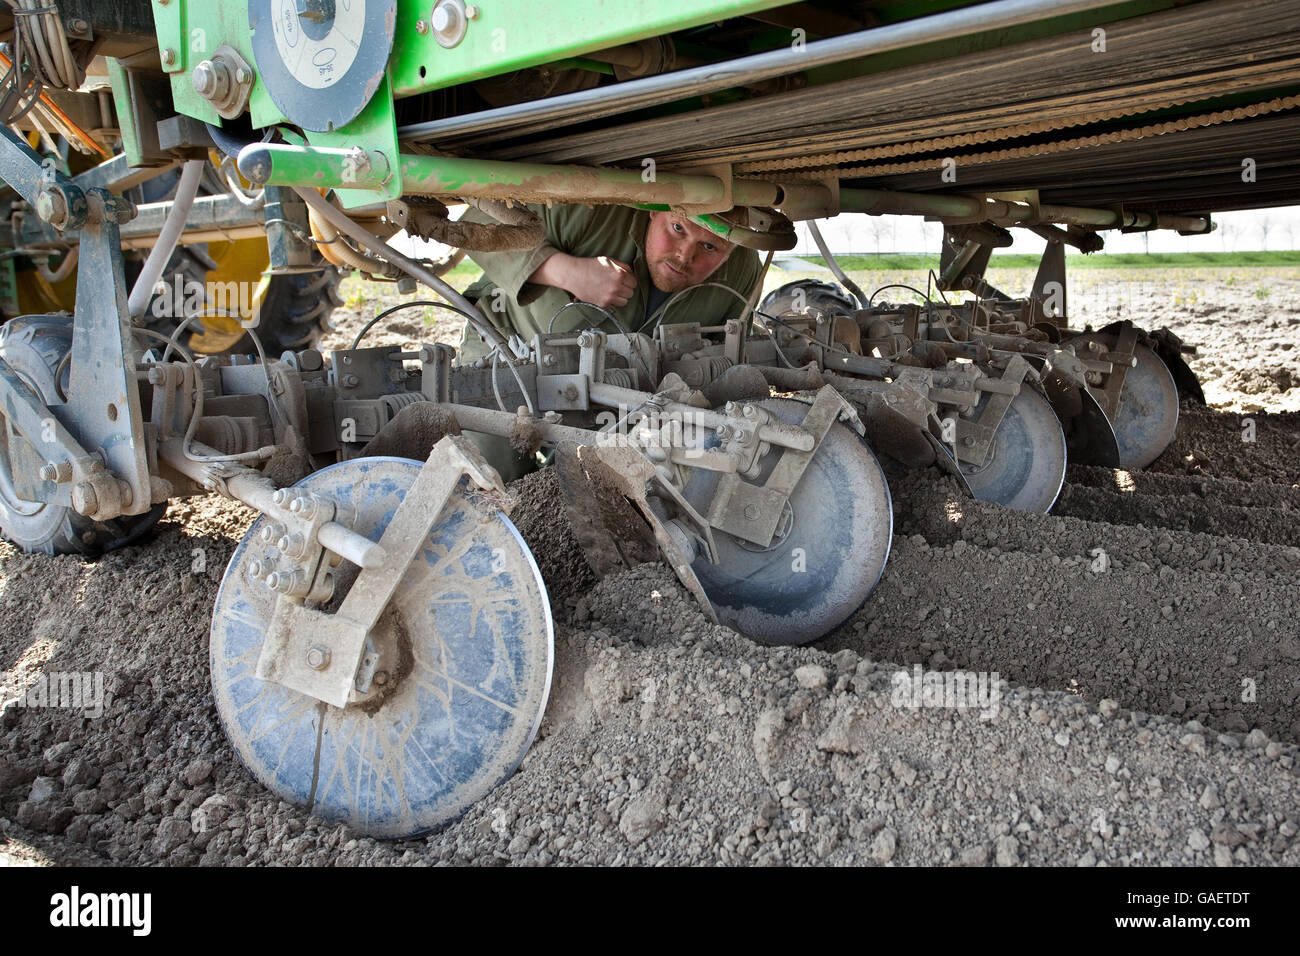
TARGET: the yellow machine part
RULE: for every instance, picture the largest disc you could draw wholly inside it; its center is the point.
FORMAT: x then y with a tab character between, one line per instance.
237	261
243	260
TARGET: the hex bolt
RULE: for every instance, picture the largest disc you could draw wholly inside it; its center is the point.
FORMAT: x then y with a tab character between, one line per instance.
242	76
281	581
84	499
294	545
548	359
421	27
272	532
750	411
304	507
724	432
751	512
351	381
472	11
968	441
381	678
318	658
729	408
280	496
204	79
169	57
255	569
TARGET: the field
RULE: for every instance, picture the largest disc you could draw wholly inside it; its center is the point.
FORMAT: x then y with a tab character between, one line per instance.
1145	631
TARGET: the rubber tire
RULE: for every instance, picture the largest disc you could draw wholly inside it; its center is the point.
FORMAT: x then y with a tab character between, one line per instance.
296	311
824	296
33	346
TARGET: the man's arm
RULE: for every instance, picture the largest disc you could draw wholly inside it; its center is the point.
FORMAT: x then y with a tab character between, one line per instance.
524	273
601	281
512	270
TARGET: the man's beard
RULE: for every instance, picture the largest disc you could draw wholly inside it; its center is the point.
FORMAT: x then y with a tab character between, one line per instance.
665	280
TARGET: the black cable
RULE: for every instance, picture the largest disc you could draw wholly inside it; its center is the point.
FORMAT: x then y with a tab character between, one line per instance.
898	285
405	305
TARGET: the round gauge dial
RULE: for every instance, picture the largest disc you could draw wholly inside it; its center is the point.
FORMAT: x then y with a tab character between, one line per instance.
321	60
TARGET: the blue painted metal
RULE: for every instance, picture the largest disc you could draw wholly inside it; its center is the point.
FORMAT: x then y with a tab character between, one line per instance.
1147	416
809	582
472	627
1026	466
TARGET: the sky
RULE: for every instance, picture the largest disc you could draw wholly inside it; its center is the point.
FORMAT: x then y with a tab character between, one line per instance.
1267	229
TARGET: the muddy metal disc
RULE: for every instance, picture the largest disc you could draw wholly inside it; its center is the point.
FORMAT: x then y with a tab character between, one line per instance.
1147	417
828	561
1026	467
466	646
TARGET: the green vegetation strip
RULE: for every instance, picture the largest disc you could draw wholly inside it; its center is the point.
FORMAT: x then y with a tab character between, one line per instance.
1122	260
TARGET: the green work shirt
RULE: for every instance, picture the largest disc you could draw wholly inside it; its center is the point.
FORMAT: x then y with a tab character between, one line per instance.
590	231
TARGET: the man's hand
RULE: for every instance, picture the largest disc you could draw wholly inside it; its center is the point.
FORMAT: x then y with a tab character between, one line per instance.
601	281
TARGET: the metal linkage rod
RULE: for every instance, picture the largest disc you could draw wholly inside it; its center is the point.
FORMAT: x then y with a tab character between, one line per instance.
255	490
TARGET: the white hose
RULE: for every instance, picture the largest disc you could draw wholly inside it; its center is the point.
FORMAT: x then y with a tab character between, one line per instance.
142	291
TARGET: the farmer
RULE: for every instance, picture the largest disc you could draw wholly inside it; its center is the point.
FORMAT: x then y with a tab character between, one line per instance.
629	262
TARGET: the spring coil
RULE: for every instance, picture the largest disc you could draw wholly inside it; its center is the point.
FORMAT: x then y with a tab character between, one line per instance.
620	377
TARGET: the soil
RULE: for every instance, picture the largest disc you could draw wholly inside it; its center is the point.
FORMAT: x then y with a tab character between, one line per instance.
1145	632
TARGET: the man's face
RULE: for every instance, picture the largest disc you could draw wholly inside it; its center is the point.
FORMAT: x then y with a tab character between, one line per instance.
680	254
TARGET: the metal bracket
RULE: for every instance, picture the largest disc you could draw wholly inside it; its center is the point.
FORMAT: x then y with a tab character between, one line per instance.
752	512
1121	359
562	393
622	530
720	171
974	439
295	631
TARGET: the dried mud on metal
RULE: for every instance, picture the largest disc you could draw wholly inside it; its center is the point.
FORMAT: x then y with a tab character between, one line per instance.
1144	635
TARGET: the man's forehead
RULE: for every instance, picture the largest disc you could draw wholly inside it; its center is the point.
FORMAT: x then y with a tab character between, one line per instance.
696	232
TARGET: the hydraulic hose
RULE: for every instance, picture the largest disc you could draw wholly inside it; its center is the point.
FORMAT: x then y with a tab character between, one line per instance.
369	241
172	228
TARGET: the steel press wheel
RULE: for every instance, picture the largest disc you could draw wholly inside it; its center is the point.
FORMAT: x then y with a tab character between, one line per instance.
466	644
825	565
1026	467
